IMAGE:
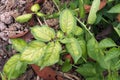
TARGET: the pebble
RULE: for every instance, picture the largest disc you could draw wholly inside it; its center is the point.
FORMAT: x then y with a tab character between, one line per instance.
3	1
2	26
6	18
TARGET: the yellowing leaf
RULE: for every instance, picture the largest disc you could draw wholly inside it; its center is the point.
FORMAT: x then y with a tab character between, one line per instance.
18	44
74	49
52	54
60	34
24	18
78	31
43	33
14	67
33	52
40	14
94	8
35	8
67	21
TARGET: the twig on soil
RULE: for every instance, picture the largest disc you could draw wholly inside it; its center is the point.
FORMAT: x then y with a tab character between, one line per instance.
45	21
56	5
69	76
39	21
38	78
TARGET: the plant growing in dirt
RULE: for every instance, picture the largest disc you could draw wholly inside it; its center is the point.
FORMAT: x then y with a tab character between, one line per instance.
91	58
46	49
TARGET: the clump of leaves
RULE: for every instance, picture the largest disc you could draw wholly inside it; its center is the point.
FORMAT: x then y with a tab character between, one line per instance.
78	41
26	17
45	50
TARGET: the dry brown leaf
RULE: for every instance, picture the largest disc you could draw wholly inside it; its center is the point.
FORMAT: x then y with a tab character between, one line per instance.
118	17
47	73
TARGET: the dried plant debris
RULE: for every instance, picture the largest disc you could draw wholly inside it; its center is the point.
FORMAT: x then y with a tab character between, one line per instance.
48	7
5	52
52	22
16	30
2	26
6	18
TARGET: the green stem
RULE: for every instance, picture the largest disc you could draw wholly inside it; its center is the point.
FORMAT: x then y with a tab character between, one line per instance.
56	5
109	74
83	25
74	66
84	59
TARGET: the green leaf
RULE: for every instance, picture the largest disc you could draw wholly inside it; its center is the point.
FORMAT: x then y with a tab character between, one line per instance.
3	76
78	31
96	53
18	44
33	52
66	66
35	8
83	46
94	78
81	8
107	43
14	67
40	14
115	9
60	34
74	49
117	29
112	53
117	65
113	63
65	40
51	56
87	70
43	33
94	8
24	18
103	63
67	21
93	49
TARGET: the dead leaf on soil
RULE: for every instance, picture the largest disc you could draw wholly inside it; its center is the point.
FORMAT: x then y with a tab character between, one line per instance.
27	37
47	73
118	17
68	56
16	30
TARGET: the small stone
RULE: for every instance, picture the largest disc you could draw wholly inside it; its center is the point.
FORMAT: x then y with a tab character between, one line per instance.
2	26
3	1
15	13
6	18
3	36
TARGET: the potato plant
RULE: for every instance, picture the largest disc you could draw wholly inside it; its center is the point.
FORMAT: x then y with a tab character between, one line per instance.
77	39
